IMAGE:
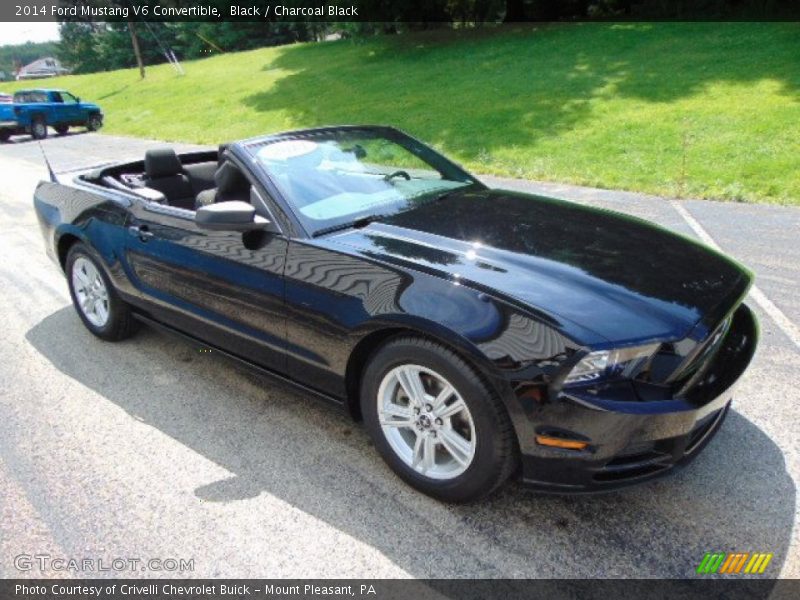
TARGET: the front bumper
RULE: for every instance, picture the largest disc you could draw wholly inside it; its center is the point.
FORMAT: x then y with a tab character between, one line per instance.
631	440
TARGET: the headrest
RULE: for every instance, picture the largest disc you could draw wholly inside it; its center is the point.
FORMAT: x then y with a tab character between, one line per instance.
229	179
161	162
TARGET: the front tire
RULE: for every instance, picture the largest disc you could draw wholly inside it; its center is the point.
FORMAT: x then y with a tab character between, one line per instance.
96	301
39	128
435	422
5	135
94	122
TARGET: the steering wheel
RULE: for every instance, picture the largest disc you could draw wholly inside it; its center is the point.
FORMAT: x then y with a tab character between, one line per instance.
397	174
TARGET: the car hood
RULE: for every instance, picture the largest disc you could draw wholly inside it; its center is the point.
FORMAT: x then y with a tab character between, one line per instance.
616	276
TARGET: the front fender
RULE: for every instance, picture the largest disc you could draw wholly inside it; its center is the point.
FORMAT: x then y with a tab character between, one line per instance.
518	353
503	336
425	327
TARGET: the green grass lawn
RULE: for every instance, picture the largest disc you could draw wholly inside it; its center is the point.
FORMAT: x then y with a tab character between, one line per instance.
708	110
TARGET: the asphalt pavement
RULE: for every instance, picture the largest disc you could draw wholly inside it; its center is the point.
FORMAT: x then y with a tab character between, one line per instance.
149	449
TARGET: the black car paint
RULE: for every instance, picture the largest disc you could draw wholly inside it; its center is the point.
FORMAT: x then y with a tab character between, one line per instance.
521	290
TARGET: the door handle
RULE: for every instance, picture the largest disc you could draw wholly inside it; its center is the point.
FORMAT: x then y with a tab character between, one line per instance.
141	231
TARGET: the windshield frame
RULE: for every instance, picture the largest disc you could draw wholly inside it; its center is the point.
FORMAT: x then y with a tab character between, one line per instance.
314	227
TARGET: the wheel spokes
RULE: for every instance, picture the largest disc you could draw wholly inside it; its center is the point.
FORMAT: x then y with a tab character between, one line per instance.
394	415
417	452
456	446
443	396
424	455
449	410
429	453
408	378
101	310
82	277
395	410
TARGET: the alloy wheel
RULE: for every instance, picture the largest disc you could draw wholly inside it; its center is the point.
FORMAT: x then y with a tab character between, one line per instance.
90	291
426	422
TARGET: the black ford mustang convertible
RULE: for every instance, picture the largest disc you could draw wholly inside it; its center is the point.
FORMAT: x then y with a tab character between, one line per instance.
478	333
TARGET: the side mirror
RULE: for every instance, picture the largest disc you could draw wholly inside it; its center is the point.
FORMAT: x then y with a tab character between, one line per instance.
230	216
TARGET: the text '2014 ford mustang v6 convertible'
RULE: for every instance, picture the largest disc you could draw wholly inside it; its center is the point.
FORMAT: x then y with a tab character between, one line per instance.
478	333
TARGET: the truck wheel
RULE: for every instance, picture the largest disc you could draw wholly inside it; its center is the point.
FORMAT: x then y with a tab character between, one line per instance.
94	123
38	128
4	136
61	129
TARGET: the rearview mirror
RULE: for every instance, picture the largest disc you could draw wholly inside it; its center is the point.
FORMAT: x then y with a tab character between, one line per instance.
234	215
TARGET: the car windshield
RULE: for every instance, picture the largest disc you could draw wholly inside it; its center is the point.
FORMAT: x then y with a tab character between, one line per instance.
338	178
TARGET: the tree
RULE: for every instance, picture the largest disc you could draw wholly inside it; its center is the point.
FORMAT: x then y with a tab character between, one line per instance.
77	49
136	51
515	11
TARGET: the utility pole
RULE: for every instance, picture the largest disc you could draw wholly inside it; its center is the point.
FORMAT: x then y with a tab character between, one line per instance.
136	51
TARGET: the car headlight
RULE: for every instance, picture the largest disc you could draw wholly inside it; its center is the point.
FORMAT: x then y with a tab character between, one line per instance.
607	364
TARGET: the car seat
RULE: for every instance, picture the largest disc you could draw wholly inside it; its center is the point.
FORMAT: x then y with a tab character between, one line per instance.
164	173
231	185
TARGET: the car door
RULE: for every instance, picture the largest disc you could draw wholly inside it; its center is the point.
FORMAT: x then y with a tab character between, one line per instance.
58	111
218	286
71	111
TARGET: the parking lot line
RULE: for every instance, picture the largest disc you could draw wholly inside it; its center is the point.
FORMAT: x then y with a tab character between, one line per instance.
776	314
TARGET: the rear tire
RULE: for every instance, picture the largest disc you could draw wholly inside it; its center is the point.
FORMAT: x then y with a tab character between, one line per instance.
96	301
4	136
473	449
61	129
38	128
94	123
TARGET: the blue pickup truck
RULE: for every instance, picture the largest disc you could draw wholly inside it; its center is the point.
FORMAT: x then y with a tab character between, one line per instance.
33	111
